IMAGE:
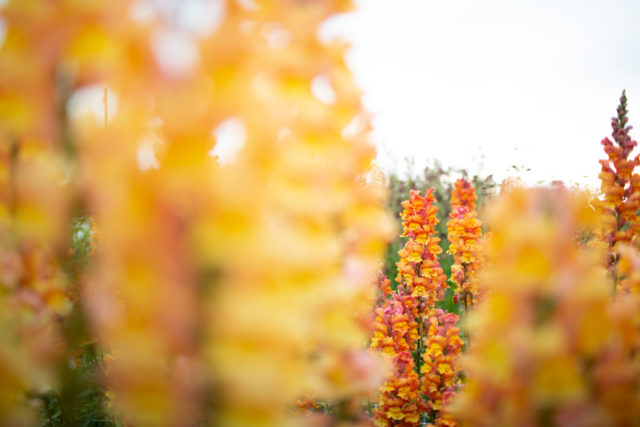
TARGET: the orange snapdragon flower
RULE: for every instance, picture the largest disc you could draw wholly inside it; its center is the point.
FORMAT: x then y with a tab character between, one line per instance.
409	326
440	370
620	186
394	329
549	343
464	234
400	403
419	268
292	226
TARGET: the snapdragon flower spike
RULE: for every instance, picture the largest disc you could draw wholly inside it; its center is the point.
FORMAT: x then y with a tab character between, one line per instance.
293	227
400	327
550	345
419	268
620	186
464	234
400	402
396	335
440	371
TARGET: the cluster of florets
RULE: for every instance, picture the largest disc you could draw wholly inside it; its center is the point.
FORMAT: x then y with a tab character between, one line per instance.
400	402
440	370
395	332
394	329
419	268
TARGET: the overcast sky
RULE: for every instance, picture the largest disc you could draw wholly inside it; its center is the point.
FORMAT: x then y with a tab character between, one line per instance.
489	83
530	83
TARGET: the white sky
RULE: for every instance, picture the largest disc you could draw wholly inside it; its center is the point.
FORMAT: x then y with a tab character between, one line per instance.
529	83
488	84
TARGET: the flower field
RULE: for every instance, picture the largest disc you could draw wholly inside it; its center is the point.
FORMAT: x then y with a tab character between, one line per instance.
194	232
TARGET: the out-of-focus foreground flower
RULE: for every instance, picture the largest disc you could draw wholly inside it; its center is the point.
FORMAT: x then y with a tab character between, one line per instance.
549	344
224	288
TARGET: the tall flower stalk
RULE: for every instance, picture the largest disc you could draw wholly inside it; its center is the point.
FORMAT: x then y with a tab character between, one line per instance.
464	235
620	187
224	288
420	339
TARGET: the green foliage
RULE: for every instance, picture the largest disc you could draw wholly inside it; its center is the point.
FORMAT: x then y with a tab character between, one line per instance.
441	179
80	398
80	401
